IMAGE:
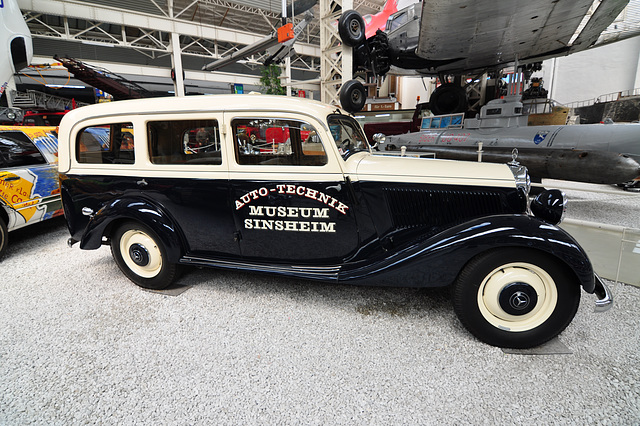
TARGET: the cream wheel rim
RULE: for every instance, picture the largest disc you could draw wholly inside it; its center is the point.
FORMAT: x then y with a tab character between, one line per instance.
513	288
140	253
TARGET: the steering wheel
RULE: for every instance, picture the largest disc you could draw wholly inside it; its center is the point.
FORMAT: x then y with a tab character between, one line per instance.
345	146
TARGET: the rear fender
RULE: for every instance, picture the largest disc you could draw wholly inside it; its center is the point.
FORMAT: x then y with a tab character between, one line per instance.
137	210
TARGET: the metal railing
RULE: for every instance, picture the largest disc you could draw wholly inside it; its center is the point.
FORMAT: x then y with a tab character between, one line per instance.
609	97
35	99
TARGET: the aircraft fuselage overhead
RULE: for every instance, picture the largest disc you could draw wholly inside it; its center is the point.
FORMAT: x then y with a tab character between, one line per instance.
444	38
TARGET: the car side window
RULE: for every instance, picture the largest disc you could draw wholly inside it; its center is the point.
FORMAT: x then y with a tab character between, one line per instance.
184	142
16	150
106	144
272	141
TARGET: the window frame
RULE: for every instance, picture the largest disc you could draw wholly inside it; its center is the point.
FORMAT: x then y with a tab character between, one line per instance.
296	144
121	162
181	152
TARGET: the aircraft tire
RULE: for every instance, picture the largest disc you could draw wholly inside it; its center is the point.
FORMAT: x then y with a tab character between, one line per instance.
351	28
353	96
449	98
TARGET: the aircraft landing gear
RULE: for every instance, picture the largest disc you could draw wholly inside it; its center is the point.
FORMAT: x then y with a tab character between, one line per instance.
353	96
449	98
351	28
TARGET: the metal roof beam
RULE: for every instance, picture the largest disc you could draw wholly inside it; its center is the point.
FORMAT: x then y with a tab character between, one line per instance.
105	14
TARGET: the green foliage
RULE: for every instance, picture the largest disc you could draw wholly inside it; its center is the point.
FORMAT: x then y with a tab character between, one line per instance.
270	81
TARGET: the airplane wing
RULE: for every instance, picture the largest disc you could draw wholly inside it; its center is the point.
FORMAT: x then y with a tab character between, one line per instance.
480	34
269	43
625	26
259	46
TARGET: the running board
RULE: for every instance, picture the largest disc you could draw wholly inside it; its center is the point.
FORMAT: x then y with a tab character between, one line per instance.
324	273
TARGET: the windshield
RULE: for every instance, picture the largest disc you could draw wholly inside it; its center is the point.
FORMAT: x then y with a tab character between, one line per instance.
347	134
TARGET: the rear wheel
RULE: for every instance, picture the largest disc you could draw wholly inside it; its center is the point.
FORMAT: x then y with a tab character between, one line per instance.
4	237
517	298
141	256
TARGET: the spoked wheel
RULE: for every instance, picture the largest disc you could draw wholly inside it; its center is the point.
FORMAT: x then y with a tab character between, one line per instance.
353	96
141	256
351	28
4	237
517	298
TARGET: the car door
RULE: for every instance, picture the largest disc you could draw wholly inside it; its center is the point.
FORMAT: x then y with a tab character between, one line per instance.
29	187
191	181
291	201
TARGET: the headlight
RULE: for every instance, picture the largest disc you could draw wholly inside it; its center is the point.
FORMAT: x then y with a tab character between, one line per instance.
550	206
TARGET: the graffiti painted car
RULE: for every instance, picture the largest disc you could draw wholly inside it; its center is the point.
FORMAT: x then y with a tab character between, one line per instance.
321	208
29	188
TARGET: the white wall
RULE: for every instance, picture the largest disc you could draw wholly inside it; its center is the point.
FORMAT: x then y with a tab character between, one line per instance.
409	88
591	73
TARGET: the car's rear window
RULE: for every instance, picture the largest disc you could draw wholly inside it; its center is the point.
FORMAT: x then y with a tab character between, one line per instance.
106	144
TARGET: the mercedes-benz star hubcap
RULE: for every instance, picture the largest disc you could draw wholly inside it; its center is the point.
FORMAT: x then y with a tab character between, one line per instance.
518	298
139	254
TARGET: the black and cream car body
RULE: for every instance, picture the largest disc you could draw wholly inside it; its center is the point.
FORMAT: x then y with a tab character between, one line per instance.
291	186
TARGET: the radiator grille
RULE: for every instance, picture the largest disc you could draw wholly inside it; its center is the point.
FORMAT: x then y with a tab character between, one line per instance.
434	208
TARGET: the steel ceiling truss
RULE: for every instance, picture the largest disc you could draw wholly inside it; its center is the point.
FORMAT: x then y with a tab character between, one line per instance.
207	28
151	43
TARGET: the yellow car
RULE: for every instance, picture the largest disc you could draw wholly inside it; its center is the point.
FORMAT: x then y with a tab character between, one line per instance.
29	186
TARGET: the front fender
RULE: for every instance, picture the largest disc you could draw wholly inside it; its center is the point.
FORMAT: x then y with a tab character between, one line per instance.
138	210
438	260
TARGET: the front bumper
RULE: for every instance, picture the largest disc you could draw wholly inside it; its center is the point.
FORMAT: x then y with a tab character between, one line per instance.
605	298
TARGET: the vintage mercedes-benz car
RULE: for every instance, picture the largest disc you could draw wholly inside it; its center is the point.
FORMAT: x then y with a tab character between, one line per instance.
29	189
290	186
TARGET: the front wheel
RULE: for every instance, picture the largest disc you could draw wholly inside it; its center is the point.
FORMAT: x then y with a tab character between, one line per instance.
141	256
515	298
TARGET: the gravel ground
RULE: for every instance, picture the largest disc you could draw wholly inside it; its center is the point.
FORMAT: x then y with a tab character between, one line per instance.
79	344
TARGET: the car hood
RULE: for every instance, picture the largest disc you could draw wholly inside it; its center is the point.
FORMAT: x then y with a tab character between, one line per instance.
378	167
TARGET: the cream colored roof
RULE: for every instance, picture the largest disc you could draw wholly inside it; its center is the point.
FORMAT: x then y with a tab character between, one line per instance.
213	103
